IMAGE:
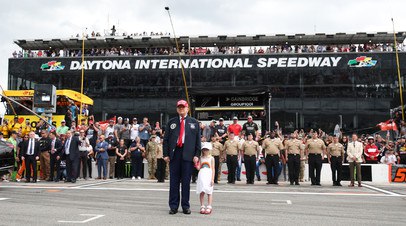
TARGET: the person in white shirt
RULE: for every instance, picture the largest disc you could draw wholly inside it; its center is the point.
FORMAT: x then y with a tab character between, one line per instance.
355	149
389	158
134	129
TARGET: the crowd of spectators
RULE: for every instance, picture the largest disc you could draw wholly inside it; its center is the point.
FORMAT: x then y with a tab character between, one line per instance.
170	50
130	142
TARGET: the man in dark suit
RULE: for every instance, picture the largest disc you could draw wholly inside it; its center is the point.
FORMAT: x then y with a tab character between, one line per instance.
71	153
31	155
181	148
56	153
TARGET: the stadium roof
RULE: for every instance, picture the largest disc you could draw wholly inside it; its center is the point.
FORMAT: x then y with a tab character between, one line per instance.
207	41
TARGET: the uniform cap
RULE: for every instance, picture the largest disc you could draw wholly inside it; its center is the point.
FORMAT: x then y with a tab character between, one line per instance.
235	118
63	121
207	145
182	103
221	119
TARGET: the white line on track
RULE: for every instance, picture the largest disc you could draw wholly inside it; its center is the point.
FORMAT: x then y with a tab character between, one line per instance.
381	190
2	199
95	216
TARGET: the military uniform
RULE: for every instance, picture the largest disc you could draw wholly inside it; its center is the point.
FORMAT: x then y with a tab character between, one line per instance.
336	153
250	149
151	153
161	164
272	149
231	148
315	149
294	149
216	152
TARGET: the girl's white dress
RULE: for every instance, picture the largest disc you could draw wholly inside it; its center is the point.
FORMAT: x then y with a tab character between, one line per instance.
205	175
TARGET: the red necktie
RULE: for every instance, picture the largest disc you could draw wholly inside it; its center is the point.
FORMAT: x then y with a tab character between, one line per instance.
181	132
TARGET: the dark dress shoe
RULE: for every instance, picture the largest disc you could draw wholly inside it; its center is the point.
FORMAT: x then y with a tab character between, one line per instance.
73	180
27	181
268	183
339	185
318	184
187	211
291	183
297	183
238	179
360	185
34	181
351	185
259	179
173	211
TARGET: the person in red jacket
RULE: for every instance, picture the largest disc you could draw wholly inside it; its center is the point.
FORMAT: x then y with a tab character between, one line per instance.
371	151
235	127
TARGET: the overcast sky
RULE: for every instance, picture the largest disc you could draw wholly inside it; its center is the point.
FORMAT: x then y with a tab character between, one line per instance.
28	19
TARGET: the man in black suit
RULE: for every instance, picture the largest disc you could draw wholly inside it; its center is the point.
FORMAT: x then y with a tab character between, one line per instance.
31	155
71	153
56	153
181	148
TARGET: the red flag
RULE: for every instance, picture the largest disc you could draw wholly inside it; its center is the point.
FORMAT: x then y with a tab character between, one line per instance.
388	125
104	124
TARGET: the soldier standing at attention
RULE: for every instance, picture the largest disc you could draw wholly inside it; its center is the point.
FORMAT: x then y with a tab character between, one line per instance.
272	147
335	153
150	153
216	150
315	150
294	149
231	148
250	151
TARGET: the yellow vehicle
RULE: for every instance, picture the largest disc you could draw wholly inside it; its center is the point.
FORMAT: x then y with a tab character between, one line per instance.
25	97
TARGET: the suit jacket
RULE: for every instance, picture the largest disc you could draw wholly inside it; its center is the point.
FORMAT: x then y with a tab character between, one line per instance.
73	148
25	149
192	143
102	154
356	151
59	147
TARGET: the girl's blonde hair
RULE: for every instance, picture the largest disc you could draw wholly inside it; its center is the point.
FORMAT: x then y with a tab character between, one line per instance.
201	154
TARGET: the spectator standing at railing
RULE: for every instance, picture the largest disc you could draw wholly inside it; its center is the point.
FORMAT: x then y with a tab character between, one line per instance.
389	158
145	129
371	151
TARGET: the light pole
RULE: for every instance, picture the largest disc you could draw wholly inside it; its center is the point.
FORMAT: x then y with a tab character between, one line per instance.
269	112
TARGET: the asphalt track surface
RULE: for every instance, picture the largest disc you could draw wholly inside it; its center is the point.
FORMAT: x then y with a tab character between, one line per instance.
145	202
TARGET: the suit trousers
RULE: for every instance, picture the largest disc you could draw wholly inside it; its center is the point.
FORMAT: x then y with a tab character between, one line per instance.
44	162
72	167
30	163
336	164
83	162
160	171
55	165
216	168
356	165
102	164
294	167
272	168
249	162
315	163
112	166
180	173
232	161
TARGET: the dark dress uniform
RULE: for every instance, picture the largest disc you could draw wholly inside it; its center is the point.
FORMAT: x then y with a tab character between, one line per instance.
315	149
336	153
294	149
272	149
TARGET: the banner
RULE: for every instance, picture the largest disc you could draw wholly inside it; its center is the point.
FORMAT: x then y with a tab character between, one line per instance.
398	173
104	124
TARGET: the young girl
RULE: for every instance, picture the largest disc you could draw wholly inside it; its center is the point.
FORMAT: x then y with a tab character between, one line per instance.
205	179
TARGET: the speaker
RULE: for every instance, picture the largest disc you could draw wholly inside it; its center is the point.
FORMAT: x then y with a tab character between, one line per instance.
44	96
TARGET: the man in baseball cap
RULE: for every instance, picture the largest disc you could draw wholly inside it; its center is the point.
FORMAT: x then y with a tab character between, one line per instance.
182	103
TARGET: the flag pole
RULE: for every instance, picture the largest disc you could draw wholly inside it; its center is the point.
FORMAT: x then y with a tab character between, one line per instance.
398	69
83	75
